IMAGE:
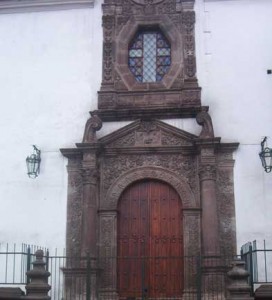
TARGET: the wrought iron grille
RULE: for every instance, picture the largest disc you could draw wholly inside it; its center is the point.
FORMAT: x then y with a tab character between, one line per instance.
149	56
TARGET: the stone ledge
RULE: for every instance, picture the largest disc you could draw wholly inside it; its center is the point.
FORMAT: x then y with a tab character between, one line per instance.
264	292
11	293
18	6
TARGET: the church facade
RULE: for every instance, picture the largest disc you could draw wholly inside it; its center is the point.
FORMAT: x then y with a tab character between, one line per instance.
166	163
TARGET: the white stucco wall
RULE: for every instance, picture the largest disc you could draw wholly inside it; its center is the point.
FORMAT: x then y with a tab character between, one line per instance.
234	52
49	76
48	86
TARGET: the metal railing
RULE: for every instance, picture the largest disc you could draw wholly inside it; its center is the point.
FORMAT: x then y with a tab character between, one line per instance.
86	278
15	261
258	264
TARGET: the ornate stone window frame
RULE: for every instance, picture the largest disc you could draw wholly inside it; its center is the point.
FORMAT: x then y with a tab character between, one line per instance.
15	6
122	45
121	97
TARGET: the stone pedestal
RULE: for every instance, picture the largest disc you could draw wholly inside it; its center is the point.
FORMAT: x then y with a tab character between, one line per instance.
239	288
38	287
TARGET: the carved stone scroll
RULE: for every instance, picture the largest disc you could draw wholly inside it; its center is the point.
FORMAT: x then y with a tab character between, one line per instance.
93	124
204	119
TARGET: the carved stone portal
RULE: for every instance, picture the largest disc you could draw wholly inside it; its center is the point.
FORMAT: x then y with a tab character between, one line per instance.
198	169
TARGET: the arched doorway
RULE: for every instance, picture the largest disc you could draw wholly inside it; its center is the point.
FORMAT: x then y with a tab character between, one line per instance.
150	241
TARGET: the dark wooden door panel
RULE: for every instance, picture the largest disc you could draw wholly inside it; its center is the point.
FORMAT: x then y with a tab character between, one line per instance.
150	241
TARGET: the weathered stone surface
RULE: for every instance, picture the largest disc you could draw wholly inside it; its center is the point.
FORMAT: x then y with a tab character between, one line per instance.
11	293
263	292
238	288
178	88
38	287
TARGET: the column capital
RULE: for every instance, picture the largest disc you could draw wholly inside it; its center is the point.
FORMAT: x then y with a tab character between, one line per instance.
207	172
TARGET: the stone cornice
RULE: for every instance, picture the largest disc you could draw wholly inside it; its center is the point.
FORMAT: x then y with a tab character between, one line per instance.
17	6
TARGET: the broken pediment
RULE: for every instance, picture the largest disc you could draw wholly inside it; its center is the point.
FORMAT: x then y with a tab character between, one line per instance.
151	133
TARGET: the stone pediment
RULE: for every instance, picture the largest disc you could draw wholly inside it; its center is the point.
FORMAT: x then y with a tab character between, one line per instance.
148	134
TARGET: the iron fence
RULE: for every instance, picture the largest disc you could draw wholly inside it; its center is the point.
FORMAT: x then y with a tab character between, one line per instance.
110	278
258	264
15	261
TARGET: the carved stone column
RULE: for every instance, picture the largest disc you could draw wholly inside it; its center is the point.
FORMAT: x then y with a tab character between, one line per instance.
207	176
210	232
90	186
213	280
89	211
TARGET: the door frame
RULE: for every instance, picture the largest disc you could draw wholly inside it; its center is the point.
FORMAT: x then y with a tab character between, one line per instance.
108	219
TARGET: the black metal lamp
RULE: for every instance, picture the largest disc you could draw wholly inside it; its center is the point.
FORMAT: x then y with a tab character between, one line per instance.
266	156
33	163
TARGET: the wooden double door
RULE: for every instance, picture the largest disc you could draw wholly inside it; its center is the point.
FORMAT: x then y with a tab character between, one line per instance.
150	242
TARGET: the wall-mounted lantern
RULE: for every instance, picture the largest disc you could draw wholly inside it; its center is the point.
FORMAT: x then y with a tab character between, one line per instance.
33	163
266	156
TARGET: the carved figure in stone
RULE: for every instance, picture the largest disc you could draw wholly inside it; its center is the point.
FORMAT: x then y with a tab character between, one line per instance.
93	124
205	120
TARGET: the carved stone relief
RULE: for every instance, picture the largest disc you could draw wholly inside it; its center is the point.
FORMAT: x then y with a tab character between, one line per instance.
192	240
192	233
107	249
149	133
226	211
74	209
181	165
110	196
178	88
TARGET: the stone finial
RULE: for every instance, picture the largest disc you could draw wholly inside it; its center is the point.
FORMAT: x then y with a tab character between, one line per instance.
205	120
93	124
239	288
38	287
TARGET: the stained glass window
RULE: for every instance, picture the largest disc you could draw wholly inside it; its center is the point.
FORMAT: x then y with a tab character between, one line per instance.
149	56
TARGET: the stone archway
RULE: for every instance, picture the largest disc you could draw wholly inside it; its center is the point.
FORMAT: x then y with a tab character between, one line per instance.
108	216
178	182
108	207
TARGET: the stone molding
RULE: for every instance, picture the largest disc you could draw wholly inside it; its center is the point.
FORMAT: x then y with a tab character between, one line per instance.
17	6
176	181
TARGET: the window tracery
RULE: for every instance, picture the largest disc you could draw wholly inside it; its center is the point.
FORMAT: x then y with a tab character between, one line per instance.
149	56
